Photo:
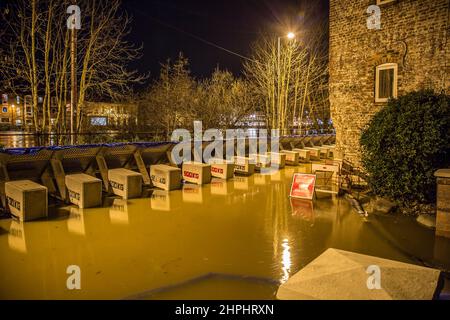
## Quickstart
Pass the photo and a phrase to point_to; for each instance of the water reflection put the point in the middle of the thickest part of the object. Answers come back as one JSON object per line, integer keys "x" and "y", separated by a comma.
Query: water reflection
{"x": 220, "y": 187}
{"x": 160, "y": 200}
{"x": 118, "y": 212}
{"x": 286, "y": 261}
{"x": 235, "y": 227}
{"x": 193, "y": 193}
{"x": 16, "y": 237}
{"x": 75, "y": 222}
{"x": 303, "y": 209}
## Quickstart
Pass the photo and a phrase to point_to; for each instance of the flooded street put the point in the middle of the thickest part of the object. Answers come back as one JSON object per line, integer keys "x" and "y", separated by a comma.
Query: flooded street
{"x": 237, "y": 239}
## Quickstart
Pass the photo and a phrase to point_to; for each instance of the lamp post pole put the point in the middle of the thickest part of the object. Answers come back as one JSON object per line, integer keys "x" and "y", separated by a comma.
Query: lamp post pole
{"x": 278, "y": 77}
{"x": 73, "y": 78}
{"x": 290, "y": 36}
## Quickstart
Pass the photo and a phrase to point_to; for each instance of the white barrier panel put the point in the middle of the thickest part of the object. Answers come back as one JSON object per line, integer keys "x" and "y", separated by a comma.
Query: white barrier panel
{"x": 292, "y": 157}
{"x": 222, "y": 169}
{"x": 84, "y": 190}
{"x": 26, "y": 199}
{"x": 165, "y": 177}
{"x": 243, "y": 165}
{"x": 125, "y": 183}
{"x": 278, "y": 159}
{"x": 197, "y": 173}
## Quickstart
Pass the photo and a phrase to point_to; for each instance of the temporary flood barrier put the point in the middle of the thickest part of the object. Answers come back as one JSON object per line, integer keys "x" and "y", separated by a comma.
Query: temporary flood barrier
{"x": 49, "y": 166}
{"x": 125, "y": 183}
{"x": 197, "y": 173}
{"x": 277, "y": 159}
{"x": 244, "y": 166}
{"x": 165, "y": 177}
{"x": 261, "y": 161}
{"x": 27, "y": 200}
{"x": 84, "y": 190}
{"x": 292, "y": 157}
{"x": 222, "y": 169}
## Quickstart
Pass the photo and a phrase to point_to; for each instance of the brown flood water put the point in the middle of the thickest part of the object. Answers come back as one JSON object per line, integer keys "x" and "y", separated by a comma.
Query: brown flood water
{"x": 228, "y": 240}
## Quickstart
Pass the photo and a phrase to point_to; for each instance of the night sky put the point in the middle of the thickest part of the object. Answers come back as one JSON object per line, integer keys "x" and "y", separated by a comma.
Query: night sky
{"x": 166, "y": 27}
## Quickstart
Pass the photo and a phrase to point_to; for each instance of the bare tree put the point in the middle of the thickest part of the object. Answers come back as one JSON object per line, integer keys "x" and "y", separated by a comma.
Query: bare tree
{"x": 291, "y": 79}
{"x": 36, "y": 56}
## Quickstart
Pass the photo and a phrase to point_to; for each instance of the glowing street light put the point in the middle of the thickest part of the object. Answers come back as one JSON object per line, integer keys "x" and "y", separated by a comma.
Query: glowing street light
{"x": 290, "y": 36}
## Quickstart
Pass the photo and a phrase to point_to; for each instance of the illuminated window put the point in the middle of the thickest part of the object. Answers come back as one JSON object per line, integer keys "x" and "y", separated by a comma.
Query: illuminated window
{"x": 99, "y": 121}
{"x": 4, "y": 98}
{"x": 386, "y": 82}
{"x": 5, "y": 109}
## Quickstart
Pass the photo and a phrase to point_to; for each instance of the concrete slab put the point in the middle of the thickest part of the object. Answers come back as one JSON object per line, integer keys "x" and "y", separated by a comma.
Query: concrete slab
{"x": 344, "y": 275}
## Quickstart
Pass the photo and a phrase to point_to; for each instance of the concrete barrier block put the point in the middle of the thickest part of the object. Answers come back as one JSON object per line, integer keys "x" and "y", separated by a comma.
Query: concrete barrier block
{"x": 244, "y": 166}
{"x": 278, "y": 159}
{"x": 84, "y": 190}
{"x": 196, "y": 172}
{"x": 314, "y": 153}
{"x": 303, "y": 155}
{"x": 292, "y": 157}
{"x": 26, "y": 199}
{"x": 165, "y": 177}
{"x": 125, "y": 183}
{"x": 222, "y": 169}
{"x": 261, "y": 161}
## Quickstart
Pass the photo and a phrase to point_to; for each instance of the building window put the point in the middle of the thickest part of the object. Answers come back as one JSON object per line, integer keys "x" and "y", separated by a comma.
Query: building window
{"x": 5, "y": 109}
{"x": 381, "y": 2}
{"x": 4, "y": 98}
{"x": 5, "y": 120}
{"x": 386, "y": 82}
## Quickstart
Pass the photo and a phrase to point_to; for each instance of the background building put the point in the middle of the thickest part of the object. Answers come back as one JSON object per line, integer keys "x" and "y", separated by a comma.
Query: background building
{"x": 111, "y": 115}
{"x": 367, "y": 66}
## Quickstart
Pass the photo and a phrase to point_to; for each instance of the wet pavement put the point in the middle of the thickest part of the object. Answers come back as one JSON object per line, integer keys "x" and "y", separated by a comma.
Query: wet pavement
{"x": 236, "y": 239}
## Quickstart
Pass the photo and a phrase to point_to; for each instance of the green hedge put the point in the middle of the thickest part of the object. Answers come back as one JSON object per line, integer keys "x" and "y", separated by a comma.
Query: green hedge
{"x": 405, "y": 143}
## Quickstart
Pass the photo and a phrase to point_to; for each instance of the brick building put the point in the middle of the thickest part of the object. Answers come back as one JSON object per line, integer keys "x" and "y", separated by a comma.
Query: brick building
{"x": 368, "y": 65}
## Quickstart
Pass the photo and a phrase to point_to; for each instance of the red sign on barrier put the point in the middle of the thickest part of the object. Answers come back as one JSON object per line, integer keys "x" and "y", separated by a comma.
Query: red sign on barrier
{"x": 303, "y": 186}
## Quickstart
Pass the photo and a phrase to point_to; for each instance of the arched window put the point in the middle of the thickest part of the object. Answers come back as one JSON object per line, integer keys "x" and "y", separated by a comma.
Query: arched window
{"x": 386, "y": 80}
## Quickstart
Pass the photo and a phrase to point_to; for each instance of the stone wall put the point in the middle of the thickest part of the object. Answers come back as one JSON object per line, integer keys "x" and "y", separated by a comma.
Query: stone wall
{"x": 413, "y": 34}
